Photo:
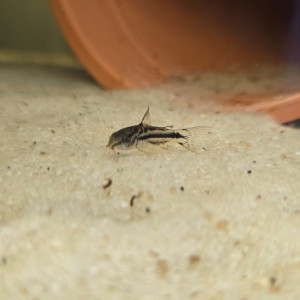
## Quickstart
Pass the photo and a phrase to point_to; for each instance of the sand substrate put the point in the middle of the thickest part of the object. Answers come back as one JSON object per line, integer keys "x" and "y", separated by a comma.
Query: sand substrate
{"x": 80, "y": 222}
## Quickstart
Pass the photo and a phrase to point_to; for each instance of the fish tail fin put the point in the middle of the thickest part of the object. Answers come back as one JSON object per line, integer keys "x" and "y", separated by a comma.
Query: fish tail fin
{"x": 195, "y": 138}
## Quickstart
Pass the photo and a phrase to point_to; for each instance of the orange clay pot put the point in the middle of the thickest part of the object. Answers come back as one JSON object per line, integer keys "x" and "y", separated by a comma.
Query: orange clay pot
{"x": 127, "y": 44}
{"x": 283, "y": 108}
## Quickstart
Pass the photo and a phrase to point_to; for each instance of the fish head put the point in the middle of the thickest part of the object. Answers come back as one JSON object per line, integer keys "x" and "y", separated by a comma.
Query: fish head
{"x": 124, "y": 138}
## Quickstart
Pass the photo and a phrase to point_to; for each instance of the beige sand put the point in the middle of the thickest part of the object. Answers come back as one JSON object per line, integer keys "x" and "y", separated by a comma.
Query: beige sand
{"x": 228, "y": 233}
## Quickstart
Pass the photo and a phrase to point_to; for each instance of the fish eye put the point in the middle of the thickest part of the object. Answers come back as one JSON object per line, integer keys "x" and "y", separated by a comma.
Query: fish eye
{"x": 127, "y": 140}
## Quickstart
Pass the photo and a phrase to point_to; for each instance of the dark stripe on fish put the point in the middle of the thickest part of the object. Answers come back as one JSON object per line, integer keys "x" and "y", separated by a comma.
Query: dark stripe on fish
{"x": 163, "y": 135}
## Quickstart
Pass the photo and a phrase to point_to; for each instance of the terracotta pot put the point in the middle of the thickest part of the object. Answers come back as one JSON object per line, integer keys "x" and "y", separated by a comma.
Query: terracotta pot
{"x": 137, "y": 44}
{"x": 282, "y": 108}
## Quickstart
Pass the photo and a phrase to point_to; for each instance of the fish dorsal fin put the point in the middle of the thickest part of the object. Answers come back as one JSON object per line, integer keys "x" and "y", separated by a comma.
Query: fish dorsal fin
{"x": 146, "y": 121}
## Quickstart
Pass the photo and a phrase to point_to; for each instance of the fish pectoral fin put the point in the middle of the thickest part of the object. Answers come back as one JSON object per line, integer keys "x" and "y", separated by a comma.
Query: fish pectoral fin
{"x": 146, "y": 121}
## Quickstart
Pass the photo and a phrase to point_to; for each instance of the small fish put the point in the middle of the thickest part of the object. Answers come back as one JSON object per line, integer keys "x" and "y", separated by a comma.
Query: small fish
{"x": 144, "y": 137}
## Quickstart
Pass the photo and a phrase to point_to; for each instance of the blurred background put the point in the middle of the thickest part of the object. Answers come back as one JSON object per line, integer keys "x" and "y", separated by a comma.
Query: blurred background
{"x": 29, "y": 26}
{"x": 30, "y": 34}
{"x": 138, "y": 44}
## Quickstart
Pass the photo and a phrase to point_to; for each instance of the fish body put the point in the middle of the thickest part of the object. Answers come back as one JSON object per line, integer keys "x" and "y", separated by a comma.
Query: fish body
{"x": 144, "y": 136}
